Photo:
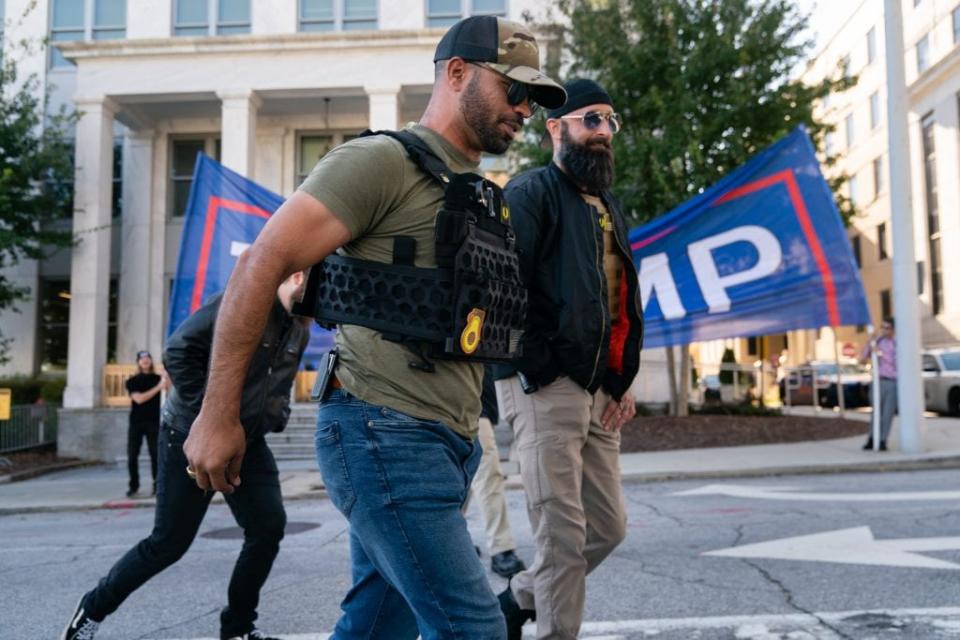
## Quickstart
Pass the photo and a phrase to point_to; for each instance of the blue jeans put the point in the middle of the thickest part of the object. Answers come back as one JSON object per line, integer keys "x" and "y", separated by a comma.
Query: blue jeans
{"x": 400, "y": 481}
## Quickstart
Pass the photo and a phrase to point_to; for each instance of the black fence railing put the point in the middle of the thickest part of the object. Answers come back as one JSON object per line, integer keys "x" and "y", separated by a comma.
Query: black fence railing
{"x": 29, "y": 426}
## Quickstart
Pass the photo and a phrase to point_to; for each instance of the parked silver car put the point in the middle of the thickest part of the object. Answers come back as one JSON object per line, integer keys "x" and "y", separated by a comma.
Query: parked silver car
{"x": 941, "y": 380}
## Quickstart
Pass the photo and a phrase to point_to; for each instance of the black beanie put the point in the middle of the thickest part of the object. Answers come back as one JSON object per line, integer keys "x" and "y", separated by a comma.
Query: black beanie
{"x": 581, "y": 92}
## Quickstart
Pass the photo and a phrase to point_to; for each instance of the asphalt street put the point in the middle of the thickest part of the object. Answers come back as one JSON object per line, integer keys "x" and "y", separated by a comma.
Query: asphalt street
{"x": 823, "y": 556}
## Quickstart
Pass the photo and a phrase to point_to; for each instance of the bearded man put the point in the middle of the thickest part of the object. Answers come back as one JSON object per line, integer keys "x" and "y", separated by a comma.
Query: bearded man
{"x": 568, "y": 395}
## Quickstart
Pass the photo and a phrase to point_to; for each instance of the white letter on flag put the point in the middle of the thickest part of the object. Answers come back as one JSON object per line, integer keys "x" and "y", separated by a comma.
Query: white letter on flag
{"x": 655, "y": 276}
{"x": 712, "y": 284}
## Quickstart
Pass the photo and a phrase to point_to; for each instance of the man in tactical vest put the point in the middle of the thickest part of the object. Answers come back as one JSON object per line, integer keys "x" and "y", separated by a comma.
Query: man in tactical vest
{"x": 569, "y": 393}
{"x": 397, "y": 423}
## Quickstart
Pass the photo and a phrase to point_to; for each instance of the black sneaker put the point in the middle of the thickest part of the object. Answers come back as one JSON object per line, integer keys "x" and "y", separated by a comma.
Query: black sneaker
{"x": 82, "y": 626}
{"x": 506, "y": 564}
{"x": 253, "y": 634}
{"x": 132, "y": 492}
{"x": 513, "y": 614}
{"x": 868, "y": 444}
{"x": 883, "y": 445}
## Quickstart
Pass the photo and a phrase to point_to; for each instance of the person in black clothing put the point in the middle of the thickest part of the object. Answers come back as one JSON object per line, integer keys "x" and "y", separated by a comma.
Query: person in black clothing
{"x": 144, "y": 389}
{"x": 257, "y": 504}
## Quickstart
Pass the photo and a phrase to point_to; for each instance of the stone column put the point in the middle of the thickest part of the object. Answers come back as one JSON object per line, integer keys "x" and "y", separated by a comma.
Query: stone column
{"x": 90, "y": 259}
{"x": 384, "y": 107}
{"x": 238, "y": 125}
{"x": 136, "y": 257}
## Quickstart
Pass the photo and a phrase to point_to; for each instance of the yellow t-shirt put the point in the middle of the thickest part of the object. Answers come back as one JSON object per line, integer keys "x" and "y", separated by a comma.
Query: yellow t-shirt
{"x": 378, "y": 192}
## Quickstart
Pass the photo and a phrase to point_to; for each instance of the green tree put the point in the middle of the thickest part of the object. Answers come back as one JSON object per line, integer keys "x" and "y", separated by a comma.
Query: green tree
{"x": 701, "y": 86}
{"x": 36, "y": 178}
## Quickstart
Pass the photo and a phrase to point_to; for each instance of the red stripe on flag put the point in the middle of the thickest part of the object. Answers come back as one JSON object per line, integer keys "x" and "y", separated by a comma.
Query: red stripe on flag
{"x": 209, "y": 227}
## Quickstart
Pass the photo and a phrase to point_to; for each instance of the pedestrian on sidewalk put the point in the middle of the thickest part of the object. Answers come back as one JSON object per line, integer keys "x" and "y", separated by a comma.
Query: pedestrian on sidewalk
{"x": 396, "y": 427}
{"x": 487, "y": 488}
{"x": 884, "y": 343}
{"x": 144, "y": 388}
{"x": 568, "y": 396}
{"x": 256, "y": 505}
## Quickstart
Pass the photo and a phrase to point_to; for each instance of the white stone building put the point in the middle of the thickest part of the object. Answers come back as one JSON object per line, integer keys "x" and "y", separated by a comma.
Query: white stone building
{"x": 266, "y": 86}
{"x": 932, "y": 58}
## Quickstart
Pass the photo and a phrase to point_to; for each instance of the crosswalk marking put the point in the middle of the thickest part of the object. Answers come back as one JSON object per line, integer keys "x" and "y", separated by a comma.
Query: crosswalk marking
{"x": 749, "y": 626}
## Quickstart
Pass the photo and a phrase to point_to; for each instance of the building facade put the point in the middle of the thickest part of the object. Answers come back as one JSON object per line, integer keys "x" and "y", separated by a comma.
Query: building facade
{"x": 932, "y": 61}
{"x": 265, "y": 86}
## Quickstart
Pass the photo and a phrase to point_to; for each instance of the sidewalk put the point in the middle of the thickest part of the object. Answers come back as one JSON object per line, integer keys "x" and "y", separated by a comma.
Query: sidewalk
{"x": 103, "y": 486}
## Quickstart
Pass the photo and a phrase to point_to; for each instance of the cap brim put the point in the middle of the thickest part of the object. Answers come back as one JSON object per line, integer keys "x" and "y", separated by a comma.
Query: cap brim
{"x": 544, "y": 91}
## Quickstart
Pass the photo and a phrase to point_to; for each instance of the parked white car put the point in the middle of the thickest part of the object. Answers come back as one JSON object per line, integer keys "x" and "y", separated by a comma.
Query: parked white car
{"x": 941, "y": 380}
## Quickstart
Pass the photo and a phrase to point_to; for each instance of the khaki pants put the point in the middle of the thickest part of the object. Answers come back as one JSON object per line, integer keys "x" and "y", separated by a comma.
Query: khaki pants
{"x": 487, "y": 488}
{"x": 571, "y": 474}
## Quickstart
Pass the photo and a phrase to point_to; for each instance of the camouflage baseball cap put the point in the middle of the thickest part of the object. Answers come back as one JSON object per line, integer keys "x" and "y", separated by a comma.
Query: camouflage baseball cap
{"x": 505, "y": 46}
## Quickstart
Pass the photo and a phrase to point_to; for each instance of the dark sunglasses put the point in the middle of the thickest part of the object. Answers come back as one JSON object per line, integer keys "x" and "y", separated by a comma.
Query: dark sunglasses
{"x": 593, "y": 119}
{"x": 517, "y": 92}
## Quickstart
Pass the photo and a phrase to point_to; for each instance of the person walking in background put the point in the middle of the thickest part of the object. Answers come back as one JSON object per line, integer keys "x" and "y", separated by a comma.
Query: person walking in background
{"x": 884, "y": 343}
{"x": 257, "y": 506}
{"x": 487, "y": 488}
{"x": 144, "y": 388}
{"x": 569, "y": 393}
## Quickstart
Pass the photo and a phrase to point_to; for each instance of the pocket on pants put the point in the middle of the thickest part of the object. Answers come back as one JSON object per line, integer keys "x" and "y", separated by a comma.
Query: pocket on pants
{"x": 333, "y": 466}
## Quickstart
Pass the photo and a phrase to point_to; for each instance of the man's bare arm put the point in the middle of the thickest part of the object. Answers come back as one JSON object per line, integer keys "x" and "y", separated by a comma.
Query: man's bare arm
{"x": 301, "y": 233}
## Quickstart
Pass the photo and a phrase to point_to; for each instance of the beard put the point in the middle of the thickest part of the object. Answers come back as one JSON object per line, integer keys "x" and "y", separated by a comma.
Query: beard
{"x": 590, "y": 164}
{"x": 481, "y": 116}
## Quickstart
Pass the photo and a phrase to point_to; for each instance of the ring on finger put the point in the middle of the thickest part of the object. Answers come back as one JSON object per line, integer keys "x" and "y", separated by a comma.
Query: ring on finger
{"x": 191, "y": 472}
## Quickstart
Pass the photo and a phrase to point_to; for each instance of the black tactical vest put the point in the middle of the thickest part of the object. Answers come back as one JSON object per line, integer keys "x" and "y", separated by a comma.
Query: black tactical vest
{"x": 470, "y": 307}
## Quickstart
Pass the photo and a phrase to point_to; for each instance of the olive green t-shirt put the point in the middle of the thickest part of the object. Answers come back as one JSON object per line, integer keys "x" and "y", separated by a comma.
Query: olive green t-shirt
{"x": 377, "y": 191}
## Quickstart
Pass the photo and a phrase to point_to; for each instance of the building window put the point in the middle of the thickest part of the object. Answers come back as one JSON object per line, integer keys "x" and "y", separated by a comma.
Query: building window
{"x": 211, "y": 17}
{"x": 183, "y": 157}
{"x": 882, "y": 241}
{"x": 923, "y": 54}
{"x": 848, "y": 125}
{"x": 871, "y": 45}
{"x": 853, "y": 185}
{"x": 92, "y": 20}
{"x": 313, "y": 146}
{"x": 310, "y": 148}
{"x": 956, "y": 26}
{"x": 830, "y": 143}
{"x": 877, "y": 176}
{"x": 752, "y": 346}
{"x": 331, "y": 15}
{"x": 855, "y": 245}
{"x": 874, "y": 110}
{"x": 933, "y": 212}
{"x": 53, "y": 324}
{"x": 443, "y": 13}
{"x": 845, "y": 66}
{"x": 886, "y": 310}
{"x": 116, "y": 199}
{"x": 921, "y": 277}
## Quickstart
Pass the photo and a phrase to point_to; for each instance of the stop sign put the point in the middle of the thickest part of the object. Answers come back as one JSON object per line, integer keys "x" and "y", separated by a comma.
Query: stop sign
{"x": 849, "y": 349}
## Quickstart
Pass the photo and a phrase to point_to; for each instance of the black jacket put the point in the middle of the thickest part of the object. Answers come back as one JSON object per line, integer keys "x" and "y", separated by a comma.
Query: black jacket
{"x": 265, "y": 405}
{"x": 560, "y": 245}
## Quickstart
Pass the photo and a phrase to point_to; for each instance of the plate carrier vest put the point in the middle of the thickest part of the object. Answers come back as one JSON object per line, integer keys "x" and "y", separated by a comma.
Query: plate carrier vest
{"x": 471, "y": 307}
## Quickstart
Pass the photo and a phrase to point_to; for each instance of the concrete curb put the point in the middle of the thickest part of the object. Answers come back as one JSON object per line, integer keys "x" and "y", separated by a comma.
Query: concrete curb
{"x": 27, "y": 474}
{"x": 514, "y": 481}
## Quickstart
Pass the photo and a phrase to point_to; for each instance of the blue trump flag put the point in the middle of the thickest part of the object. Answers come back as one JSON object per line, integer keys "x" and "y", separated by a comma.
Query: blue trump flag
{"x": 763, "y": 251}
{"x": 225, "y": 213}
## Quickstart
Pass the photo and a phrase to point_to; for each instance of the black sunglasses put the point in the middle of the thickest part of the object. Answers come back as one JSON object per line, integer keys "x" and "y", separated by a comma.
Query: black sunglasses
{"x": 517, "y": 92}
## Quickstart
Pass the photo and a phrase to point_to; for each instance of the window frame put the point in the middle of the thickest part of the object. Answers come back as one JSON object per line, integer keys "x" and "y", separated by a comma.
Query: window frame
{"x": 882, "y": 241}
{"x": 849, "y": 130}
{"x": 211, "y": 147}
{"x": 874, "y": 110}
{"x": 871, "y": 45}
{"x": 879, "y": 183}
{"x": 338, "y": 20}
{"x": 466, "y": 10}
{"x": 212, "y": 25}
{"x": 88, "y": 29}
{"x": 337, "y": 137}
{"x": 923, "y": 62}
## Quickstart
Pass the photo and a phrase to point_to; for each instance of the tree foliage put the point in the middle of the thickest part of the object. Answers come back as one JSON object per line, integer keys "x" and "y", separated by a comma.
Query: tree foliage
{"x": 36, "y": 178}
{"x": 701, "y": 86}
